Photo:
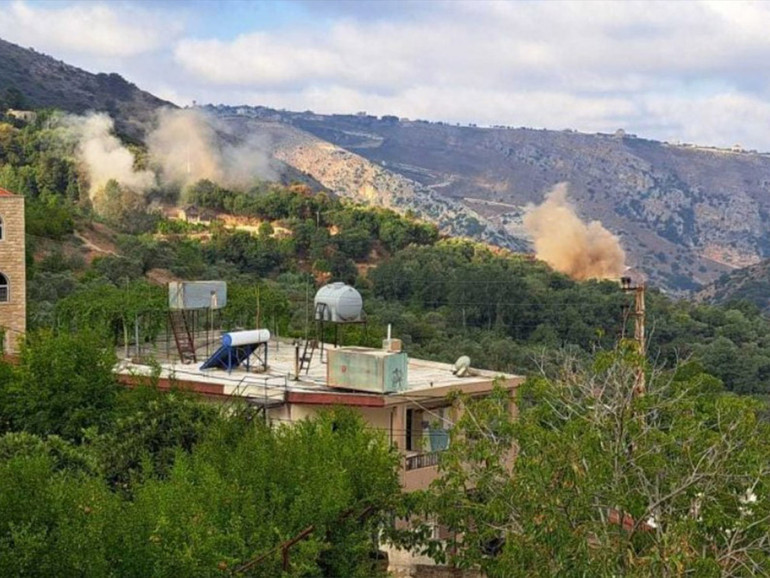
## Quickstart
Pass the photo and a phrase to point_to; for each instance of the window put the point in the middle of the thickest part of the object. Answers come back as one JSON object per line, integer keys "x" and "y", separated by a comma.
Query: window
{"x": 3, "y": 288}
{"x": 1, "y": 228}
{"x": 409, "y": 429}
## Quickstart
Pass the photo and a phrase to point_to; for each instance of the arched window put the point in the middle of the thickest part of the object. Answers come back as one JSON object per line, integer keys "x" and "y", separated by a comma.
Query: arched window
{"x": 1, "y": 228}
{"x": 3, "y": 288}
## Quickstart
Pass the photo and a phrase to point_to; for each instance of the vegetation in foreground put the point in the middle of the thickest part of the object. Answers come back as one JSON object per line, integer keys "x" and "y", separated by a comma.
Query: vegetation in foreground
{"x": 97, "y": 480}
{"x": 606, "y": 482}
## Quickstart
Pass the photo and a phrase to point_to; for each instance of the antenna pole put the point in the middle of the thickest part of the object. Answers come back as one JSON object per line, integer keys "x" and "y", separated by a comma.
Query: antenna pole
{"x": 639, "y": 319}
{"x": 258, "y": 308}
{"x": 307, "y": 308}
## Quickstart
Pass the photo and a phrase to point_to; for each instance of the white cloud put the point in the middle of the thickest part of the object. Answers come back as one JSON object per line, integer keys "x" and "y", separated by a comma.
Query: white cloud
{"x": 690, "y": 71}
{"x": 550, "y": 41}
{"x": 722, "y": 119}
{"x": 589, "y": 66}
{"x": 98, "y": 29}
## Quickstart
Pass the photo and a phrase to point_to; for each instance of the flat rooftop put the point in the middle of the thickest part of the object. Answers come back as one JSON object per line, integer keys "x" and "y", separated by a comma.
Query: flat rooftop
{"x": 425, "y": 379}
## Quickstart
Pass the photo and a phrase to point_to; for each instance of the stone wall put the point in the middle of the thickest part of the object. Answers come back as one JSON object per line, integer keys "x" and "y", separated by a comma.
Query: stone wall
{"x": 13, "y": 313}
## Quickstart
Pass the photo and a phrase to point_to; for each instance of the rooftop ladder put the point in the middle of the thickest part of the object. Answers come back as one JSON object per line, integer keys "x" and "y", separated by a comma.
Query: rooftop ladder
{"x": 307, "y": 355}
{"x": 182, "y": 336}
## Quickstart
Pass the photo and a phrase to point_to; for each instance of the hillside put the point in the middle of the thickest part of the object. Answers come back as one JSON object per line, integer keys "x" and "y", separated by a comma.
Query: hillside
{"x": 749, "y": 283}
{"x": 685, "y": 214}
{"x": 46, "y": 82}
{"x": 352, "y": 176}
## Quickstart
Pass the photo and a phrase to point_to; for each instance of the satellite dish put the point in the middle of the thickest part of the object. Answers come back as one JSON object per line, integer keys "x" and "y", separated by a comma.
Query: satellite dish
{"x": 461, "y": 367}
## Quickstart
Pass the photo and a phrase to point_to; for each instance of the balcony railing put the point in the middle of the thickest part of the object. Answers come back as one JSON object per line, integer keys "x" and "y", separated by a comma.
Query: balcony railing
{"x": 425, "y": 460}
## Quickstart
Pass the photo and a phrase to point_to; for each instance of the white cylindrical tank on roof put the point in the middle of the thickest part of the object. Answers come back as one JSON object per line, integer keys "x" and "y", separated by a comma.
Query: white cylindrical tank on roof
{"x": 246, "y": 337}
{"x": 339, "y": 303}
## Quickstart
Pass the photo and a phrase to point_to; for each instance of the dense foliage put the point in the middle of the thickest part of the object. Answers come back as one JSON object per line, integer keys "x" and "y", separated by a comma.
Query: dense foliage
{"x": 606, "y": 482}
{"x": 444, "y": 298}
{"x": 97, "y": 480}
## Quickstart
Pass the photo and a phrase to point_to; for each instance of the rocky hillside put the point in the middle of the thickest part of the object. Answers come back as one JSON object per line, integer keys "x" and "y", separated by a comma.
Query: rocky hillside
{"x": 749, "y": 283}
{"x": 42, "y": 81}
{"x": 685, "y": 214}
{"x": 352, "y": 176}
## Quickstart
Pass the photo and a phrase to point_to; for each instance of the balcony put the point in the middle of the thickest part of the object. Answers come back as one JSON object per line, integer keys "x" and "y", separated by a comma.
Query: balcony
{"x": 424, "y": 460}
{"x": 419, "y": 470}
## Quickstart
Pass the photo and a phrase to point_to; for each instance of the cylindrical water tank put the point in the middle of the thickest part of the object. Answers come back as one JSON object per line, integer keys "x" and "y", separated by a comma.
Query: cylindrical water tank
{"x": 245, "y": 337}
{"x": 341, "y": 303}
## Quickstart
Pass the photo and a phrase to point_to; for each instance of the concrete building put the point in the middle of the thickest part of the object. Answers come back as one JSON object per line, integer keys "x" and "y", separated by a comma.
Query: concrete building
{"x": 13, "y": 288}
{"x": 405, "y": 398}
{"x": 193, "y": 214}
{"x": 25, "y": 115}
{"x": 414, "y": 415}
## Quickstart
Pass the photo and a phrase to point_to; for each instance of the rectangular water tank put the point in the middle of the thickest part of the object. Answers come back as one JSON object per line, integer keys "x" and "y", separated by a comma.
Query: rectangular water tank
{"x": 197, "y": 294}
{"x": 369, "y": 370}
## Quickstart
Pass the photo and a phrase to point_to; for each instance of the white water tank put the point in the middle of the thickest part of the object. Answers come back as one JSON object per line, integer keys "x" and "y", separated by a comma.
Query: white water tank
{"x": 339, "y": 303}
{"x": 235, "y": 338}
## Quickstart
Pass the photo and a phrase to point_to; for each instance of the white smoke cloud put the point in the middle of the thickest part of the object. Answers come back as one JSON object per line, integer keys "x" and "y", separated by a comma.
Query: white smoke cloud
{"x": 185, "y": 146}
{"x": 102, "y": 153}
{"x": 189, "y": 145}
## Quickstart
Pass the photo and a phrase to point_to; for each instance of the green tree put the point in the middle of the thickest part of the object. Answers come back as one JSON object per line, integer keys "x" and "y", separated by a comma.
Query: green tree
{"x": 64, "y": 385}
{"x": 150, "y": 428}
{"x": 54, "y": 514}
{"x": 605, "y": 482}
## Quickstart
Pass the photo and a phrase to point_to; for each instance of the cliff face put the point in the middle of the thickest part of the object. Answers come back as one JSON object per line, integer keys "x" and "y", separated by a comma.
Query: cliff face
{"x": 352, "y": 176}
{"x": 45, "y": 82}
{"x": 685, "y": 214}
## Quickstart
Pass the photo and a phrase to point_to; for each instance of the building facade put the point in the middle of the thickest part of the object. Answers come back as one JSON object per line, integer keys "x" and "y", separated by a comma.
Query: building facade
{"x": 414, "y": 411}
{"x": 13, "y": 286}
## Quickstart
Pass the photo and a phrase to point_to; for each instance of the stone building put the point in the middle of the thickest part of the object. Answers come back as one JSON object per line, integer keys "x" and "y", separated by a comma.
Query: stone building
{"x": 13, "y": 286}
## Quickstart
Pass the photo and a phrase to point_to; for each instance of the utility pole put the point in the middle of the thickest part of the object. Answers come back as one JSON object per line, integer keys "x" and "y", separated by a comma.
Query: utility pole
{"x": 627, "y": 286}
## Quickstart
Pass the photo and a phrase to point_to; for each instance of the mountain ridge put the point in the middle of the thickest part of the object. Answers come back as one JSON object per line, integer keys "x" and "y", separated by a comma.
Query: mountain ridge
{"x": 686, "y": 214}
{"x": 45, "y": 82}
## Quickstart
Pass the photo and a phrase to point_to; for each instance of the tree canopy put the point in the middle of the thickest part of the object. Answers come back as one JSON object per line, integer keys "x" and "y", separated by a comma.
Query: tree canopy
{"x": 593, "y": 479}
{"x": 98, "y": 480}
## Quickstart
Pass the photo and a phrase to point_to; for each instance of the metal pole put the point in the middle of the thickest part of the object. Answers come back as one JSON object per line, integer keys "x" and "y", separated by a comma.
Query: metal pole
{"x": 639, "y": 333}
{"x": 136, "y": 334}
{"x": 641, "y": 384}
{"x": 296, "y": 361}
{"x": 307, "y": 308}
{"x": 639, "y": 319}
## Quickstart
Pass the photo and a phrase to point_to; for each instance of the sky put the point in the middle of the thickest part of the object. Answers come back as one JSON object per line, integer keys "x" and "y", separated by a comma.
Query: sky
{"x": 696, "y": 72}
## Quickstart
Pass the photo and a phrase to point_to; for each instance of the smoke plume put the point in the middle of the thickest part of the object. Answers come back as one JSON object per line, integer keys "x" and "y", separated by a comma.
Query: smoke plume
{"x": 102, "y": 154}
{"x": 582, "y": 251}
{"x": 189, "y": 145}
{"x": 186, "y": 146}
